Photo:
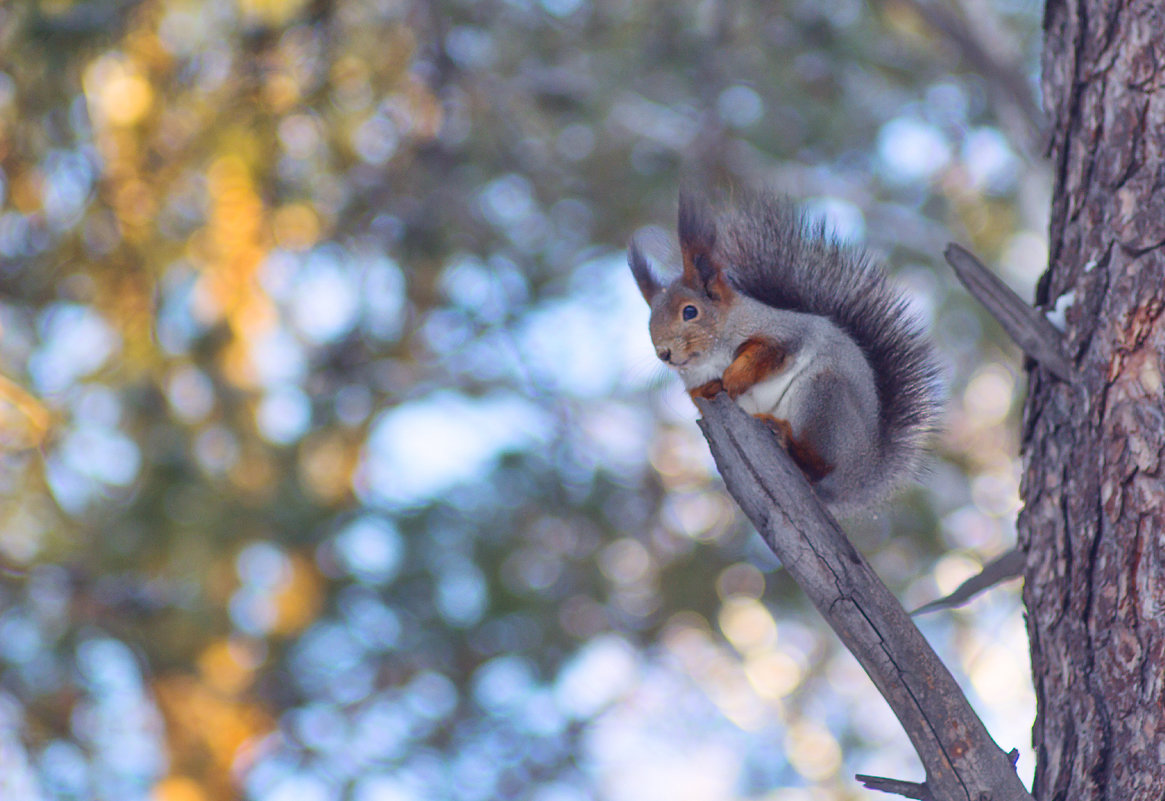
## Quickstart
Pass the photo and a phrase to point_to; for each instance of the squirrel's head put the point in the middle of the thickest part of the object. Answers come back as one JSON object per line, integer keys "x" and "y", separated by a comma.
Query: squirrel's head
{"x": 687, "y": 315}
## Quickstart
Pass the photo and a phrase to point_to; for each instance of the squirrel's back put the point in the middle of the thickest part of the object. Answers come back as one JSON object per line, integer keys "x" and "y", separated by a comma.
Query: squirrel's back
{"x": 774, "y": 254}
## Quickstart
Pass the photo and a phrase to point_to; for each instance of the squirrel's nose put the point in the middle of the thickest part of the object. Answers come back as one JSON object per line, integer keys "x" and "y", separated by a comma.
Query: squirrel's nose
{"x": 663, "y": 353}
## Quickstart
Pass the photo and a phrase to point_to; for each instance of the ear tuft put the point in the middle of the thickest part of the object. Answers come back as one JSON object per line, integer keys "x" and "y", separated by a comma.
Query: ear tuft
{"x": 705, "y": 271}
{"x": 696, "y": 226}
{"x": 697, "y": 230}
{"x": 649, "y": 286}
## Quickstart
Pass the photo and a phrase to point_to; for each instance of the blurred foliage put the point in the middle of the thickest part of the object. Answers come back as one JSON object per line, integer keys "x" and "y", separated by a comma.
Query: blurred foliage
{"x": 335, "y": 460}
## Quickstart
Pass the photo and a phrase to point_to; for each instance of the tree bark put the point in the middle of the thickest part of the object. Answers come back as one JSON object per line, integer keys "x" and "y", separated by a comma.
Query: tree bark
{"x": 1093, "y": 526}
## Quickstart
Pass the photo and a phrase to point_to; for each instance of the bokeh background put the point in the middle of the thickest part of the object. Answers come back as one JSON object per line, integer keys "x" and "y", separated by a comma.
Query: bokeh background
{"x": 335, "y": 462}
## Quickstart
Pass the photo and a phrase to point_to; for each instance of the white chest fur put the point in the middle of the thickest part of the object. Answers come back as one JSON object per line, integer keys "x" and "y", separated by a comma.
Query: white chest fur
{"x": 772, "y": 395}
{"x": 705, "y": 370}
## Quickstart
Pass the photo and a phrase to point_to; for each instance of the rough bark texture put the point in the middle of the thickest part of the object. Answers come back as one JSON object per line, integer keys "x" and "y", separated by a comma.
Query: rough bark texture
{"x": 1094, "y": 522}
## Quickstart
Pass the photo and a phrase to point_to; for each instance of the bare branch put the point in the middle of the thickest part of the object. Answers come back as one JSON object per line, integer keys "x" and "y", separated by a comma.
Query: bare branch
{"x": 962, "y": 762}
{"x": 1009, "y": 565}
{"x": 1030, "y": 329}
{"x": 896, "y": 786}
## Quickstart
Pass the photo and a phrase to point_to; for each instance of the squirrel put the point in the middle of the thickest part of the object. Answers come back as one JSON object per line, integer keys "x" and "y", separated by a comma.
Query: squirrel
{"x": 802, "y": 332}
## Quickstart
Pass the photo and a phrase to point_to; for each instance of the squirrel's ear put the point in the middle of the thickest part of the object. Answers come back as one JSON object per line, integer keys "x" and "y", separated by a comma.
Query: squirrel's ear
{"x": 697, "y": 230}
{"x": 648, "y": 285}
{"x": 696, "y": 226}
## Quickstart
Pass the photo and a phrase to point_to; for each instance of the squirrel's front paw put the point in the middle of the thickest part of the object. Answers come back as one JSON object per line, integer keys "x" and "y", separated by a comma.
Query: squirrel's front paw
{"x": 707, "y": 391}
{"x": 779, "y": 427}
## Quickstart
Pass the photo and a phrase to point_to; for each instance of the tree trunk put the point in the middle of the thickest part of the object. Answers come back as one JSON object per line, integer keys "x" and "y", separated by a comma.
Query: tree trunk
{"x": 1094, "y": 522}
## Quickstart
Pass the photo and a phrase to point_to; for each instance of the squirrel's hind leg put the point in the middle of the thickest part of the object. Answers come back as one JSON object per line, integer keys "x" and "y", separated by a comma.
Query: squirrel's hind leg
{"x": 831, "y": 421}
{"x": 802, "y": 452}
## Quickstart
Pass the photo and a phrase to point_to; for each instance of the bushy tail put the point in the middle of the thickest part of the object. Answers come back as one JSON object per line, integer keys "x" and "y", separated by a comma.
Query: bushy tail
{"x": 777, "y": 256}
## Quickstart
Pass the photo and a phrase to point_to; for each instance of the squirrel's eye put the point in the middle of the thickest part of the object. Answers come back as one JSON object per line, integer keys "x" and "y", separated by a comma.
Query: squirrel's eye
{"x": 690, "y": 312}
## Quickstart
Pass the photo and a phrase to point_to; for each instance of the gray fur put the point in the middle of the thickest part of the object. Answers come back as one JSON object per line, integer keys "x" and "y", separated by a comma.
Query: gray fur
{"x": 772, "y": 253}
{"x": 826, "y": 392}
{"x": 860, "y": 385}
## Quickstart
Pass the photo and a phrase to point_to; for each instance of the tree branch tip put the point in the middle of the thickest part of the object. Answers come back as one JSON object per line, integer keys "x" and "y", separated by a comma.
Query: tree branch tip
{"x": 1010, "y": 564}
{"x": 703, "y": 404}
{"x": 919, "y": 792}
{"x": 953, "y": 250}
{"x": 963, "y": 261}
{"x": 1027, "y": 327}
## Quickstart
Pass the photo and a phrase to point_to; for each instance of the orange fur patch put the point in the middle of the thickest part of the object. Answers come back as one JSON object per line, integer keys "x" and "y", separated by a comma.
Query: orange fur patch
{"x": 812, "y": 464}
{"x": 781, "y": 428}
{"x": 755, "y": 360}
{"x": 707, "y": 391}
{"x": 715, "y": 287}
